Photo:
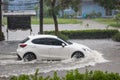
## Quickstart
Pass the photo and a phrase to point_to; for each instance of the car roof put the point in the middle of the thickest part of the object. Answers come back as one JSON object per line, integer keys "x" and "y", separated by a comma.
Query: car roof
{"x": 42, "y": 36}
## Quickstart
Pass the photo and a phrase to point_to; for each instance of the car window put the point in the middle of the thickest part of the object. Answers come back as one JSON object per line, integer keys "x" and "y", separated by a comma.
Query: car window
{"x": 55, "y": 42}
{"x": 38, "y": 41}
{"x": 25, "y": 40}
{"x": 47, "y": 41}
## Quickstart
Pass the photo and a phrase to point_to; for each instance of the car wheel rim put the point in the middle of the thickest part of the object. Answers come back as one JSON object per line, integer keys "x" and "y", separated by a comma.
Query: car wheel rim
{"x": 78, "y": 55}
{"x": 29, "y": 57}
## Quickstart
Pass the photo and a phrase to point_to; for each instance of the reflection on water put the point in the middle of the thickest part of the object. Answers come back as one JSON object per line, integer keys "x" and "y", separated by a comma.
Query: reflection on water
{"x": 15, "y": 67}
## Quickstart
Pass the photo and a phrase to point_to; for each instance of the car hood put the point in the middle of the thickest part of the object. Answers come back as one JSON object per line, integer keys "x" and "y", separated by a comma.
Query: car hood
{"x": 80, "y": 46}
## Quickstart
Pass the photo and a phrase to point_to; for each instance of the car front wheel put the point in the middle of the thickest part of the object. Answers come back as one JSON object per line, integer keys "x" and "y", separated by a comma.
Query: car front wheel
{"x": 78, "y": 55}
{"x": 29, "y": 57}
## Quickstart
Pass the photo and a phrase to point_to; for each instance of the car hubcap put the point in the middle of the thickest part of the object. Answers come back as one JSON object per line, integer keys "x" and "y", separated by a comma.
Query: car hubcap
{"x": 78, "y": 55}
{"x": 29, "y": 57}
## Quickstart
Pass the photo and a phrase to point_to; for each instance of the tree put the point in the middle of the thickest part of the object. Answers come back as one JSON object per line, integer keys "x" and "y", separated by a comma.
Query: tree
{"x": 0, "y": 18}
{"x": 109, "y": 4}
{"x": 56, "y": 5}
{"x": 41, "y": 16}
{"x": 53, "y": 2}
{"x": 53, "y": 10}
{"x": 1, "y": 34}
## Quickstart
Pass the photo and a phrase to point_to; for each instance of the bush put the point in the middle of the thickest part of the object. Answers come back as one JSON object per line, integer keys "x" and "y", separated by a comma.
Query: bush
{"x": 93, "y": 14}
{"x": 62, "y": 36}
{"x": 87, "y": 34}
{"x": 72, "y": 75}
{"x": 116, "y": 37}
{"x": 2, "y": 37}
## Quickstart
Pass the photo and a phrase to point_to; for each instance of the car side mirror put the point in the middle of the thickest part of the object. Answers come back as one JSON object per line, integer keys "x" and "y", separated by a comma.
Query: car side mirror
{"x": 63, "y": 44}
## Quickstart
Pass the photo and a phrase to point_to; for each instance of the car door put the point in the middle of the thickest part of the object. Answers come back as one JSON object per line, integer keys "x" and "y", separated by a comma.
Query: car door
{"x": 56, "y": 50}
{"x": 41, "y": 47}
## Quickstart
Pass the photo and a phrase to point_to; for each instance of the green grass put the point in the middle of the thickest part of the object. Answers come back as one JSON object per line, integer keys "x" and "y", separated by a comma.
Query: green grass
{"x": 35, "y": 20}
{"x": 107, "y": 21}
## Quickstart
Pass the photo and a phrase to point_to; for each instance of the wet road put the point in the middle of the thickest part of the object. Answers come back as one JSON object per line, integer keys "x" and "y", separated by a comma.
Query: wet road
{"x": 106, "y": 58}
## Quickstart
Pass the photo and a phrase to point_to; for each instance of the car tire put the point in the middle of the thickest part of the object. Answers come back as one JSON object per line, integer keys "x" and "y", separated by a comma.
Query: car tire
{"x": 29, "y": 57}
{"x": 78, "y": 55}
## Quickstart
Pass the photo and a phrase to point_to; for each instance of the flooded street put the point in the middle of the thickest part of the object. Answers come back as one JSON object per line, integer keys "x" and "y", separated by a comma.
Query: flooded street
{"x": 107, "y": 52}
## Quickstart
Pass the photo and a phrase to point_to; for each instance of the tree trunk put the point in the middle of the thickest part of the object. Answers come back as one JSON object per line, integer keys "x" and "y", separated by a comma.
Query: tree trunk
{"x": 54, "y": 16}
{"x": 0, "y": 18}
{"x": 41, "y": 17}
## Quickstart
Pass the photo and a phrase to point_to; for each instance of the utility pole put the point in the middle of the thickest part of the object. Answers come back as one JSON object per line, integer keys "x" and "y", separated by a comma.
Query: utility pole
{"x": 41, "y": 17}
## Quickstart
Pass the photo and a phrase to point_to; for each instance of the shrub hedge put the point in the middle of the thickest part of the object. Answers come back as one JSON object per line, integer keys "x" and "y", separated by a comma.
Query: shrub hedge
{"x": 2, "y": 37}
{"x": 87, "y": 34}
{"x": 72, "y": 75}
{"x": 116, "y": 37}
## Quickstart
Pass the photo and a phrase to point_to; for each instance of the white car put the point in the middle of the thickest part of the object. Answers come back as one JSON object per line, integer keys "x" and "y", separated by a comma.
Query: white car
{"x": 49, "y": 47}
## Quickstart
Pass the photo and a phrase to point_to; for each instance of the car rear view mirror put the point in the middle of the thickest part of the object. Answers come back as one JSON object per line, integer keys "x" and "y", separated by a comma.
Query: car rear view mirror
{"x": 63, "y": 44}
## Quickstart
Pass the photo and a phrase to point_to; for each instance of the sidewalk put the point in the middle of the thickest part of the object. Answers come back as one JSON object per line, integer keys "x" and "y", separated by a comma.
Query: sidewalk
{"x": 87, "y": 24}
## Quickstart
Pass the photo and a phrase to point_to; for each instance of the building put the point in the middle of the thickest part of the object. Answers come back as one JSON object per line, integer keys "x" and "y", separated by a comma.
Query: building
{"x": 89, "y": 7}
{"x": 20, "y": 5}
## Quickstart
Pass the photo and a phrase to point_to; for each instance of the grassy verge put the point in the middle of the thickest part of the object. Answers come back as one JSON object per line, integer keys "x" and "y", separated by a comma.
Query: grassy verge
{"x": 71, "y": 75}
{"x": 35, "y": 20}
{"x": 107, "y": 21}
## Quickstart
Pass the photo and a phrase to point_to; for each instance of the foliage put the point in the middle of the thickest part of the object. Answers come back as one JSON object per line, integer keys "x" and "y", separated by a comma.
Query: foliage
{"x": 2, "y": 36}
{"x": 87, "y": 34}
{"x": 93, "y": 14}
{"x": 54, "y": 7}
{"x": 109, "y": 4}
{"x": 62, "y": 36}
{"x": 61, "y": 5}
{"x": 72, "y": 75}
{"x": 117, "y": 19}
{"x": 116, "y": 37}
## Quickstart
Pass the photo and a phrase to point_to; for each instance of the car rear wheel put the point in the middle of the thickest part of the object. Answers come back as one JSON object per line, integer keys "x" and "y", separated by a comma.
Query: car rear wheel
{"x": 29, "y": 57}
{"x": 78, "y": 55}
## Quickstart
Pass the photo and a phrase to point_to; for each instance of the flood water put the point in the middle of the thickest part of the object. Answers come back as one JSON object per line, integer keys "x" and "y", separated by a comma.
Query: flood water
{"x": 105, "y": 57}
{"x": 9, "y": 65}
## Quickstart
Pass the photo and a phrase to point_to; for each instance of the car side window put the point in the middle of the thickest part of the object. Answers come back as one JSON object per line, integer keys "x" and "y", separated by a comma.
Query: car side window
{"x": 47, "y": 41}
{"x": 38, "y": 41}
{"x": 54, "y": 42}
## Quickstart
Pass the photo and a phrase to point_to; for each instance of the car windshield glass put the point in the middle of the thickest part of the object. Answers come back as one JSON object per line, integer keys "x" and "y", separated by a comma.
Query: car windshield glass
{"x": 23, "y": 41}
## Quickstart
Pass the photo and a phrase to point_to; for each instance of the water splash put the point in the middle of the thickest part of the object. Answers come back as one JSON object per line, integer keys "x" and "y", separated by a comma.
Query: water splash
{"x": 46, "y": 66}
